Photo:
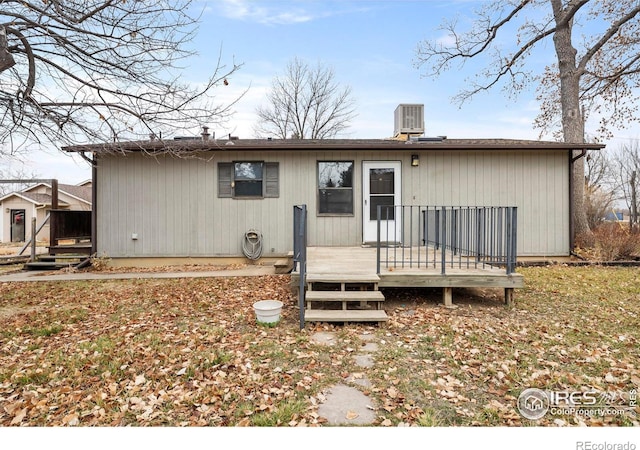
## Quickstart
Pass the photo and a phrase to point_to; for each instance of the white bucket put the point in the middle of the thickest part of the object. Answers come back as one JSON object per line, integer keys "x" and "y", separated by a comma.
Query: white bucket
{"x": 268, "y": 311}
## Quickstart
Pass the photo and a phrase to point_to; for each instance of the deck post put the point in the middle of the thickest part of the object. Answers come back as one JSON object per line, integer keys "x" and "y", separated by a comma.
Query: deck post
{"x": 508, "y": 296}
{"x": 300, "y": 255}
{"x": 33, "y": 239}
{"x": 379, "y": 211}
{"x": 447, "y": 296}
{"x": 443, "y": 259}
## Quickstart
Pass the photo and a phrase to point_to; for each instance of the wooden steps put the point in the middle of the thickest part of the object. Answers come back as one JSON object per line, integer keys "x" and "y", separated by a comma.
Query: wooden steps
{"x": 44, "y": 265}
{"x": 344, "y": 296}
{"x": 336, "y": 315}
{"x": 284, "y": 265}
{"x": 81, "y": 248}
{"x": 55, "y": 262}
{"x": 340, "y": 297}
{"x": 341, "y": 278}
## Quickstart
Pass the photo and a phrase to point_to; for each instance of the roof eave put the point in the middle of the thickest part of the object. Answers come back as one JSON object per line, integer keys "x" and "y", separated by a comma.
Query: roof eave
{"x": 266, "y": 145}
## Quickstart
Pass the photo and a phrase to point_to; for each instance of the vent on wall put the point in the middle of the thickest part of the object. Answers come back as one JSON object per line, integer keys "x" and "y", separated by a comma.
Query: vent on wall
{"x": 409, "y": 119}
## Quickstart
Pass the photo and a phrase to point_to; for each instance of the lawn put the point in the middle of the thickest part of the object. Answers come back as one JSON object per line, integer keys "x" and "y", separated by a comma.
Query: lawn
{"x": 188, "y": 352}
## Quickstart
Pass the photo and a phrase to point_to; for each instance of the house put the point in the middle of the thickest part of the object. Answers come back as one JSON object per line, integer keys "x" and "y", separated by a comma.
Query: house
{"x": 408, "y": 211}
{"x": 18, "y": 208}
{"x": 155, "y": 207}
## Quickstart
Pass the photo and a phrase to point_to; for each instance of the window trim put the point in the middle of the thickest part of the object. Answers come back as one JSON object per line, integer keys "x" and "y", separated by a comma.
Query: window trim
{"x": 352, "y": 188}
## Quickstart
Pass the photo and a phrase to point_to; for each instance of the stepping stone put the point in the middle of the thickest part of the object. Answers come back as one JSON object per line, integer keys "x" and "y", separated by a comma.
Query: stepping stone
{"x": 364, "y": 360}
{"x": 323, "y": 337}
{"x": 369, "y": 347}
{"x": 346, "y": 405}
{"x": 360, "y": 379}
{"x": 367, "y": 336}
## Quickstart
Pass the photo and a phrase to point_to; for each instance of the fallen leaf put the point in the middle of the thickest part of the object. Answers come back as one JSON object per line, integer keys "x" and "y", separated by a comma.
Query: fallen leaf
{"x": 244, "y": 422}
{"x": 19, "y": 416}
{"x": 352, "y": 415}
{"x": 609, "y": 378}
{"x": 71, "y": 419}
{"x": 392, "y": 392}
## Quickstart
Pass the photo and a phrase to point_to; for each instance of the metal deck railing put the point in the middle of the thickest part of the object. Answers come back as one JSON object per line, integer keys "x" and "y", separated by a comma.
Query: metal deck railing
{"x": 300, "y": 254}
{"x": 447, "y": 237}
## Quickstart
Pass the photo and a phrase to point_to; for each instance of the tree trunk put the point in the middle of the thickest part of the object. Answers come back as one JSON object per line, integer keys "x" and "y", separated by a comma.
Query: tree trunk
{"x": 6, "y": 59}
{"x": 572, "y": 119}
{"x": 633, "y": 213}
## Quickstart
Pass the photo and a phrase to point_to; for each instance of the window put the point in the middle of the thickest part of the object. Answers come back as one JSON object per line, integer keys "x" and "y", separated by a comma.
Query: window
{"x": 248, "y": 179}
{"x": 335, "y": 187}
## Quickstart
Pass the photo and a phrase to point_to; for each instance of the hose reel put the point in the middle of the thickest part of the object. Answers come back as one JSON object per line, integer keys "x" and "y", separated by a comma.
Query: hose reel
{"x": 252, "y": 244}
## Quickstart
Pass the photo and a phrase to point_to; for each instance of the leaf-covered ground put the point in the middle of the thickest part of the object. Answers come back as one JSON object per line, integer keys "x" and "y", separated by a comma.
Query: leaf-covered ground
{"x": 188, "y": 352}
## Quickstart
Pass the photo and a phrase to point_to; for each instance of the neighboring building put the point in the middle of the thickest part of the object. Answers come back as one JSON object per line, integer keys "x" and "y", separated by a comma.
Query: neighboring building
{"x": 18, "y": 208}
{"x": 151, "y": 204}
{"x": 617, "y": 216}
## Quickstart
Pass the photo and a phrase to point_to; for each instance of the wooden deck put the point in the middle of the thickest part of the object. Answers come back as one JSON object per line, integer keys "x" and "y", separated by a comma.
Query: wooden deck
{"x": 354, "y": 269}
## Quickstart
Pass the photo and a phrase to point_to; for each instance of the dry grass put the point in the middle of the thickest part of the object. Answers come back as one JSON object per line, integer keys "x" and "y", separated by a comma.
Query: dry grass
{"x": 187, "y": 352}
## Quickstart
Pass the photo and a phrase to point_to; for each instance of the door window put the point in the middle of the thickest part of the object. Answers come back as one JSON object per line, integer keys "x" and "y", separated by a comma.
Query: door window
{"x": 381, "y": 191}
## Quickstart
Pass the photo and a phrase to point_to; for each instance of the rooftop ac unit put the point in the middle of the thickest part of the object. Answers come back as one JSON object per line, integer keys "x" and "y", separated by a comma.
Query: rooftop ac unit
{"x": 409, "y": 119}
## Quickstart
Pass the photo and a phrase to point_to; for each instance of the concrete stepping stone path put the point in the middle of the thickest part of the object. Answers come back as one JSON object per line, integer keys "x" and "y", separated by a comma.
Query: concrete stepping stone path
{"x": 347, "y": 405}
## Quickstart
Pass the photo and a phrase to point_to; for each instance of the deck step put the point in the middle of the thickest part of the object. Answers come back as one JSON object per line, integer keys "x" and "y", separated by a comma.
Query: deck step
{"x": 64, "y": 258}
{"x": 344, "y": 296}
{"x": 342, "y": 278}
{"x": 45, "y": 265}
{"x": 283, "y": 266}
{"x": 337, "y": 315}
{"x": 80, "y": 248}
{"x": 51, "y": 262}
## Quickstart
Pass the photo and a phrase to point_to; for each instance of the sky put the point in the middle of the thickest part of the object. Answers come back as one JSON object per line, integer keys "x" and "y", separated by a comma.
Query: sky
{"x": 371, "y": 47}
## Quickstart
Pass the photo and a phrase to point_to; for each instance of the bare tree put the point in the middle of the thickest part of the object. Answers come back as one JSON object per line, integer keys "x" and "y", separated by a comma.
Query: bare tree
{"x": 14, "y": 172}
{"x": 597, "y": 77}
{"x": 600, "y": 192}
{"x": 306, "y": 103}
{"x": 77, "y": 71}
{"x": 627, "y": 175}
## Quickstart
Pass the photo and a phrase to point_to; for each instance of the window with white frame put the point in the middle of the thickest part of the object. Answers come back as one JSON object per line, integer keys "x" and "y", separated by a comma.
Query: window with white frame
{"x": 335, "y": 187}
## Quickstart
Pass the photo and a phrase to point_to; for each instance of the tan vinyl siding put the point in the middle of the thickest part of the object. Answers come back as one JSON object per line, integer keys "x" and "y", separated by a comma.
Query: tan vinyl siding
{"x": 536, "y": 182}
{"x": 173, "y": 204}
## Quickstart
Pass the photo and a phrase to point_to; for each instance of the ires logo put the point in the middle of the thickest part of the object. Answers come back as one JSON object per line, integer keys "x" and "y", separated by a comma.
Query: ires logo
{"x": 535, "y": 403}
{"x": 571, "y": 399}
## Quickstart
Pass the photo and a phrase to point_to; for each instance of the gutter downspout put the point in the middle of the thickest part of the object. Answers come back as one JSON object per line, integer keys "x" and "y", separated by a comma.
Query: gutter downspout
{"x": 572, "y": 231}
{"x": 94, "y": 201}
{"x": 94, "y": 207}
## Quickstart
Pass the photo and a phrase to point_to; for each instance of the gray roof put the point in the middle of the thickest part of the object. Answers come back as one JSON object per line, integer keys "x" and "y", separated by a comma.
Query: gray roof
{"x": 40, "y": 199}
{"x": 198, "y": 144}
{"x": 81, "y": 192}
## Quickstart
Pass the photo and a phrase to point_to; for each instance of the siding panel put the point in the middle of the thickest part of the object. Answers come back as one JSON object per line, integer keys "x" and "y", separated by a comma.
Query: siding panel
{"x": 174, "y": 207}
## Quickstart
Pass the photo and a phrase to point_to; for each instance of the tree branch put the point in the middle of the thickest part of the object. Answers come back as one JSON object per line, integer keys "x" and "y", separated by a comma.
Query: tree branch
{"x": 113, "y": 59}
{"x": 607, "y": 36}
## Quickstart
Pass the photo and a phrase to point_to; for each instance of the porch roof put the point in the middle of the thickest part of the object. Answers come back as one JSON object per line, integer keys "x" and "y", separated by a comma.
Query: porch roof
{"x": 187, "y": 145}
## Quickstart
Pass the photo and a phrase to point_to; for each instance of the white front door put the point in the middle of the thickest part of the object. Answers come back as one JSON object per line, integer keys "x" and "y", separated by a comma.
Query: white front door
{"x": 381, "y": 181}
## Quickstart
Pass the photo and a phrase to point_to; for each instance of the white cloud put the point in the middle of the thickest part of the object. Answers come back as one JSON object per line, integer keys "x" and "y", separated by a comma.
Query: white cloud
{"x": 246, "y": 10}
{"x": 446, "y": 40}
